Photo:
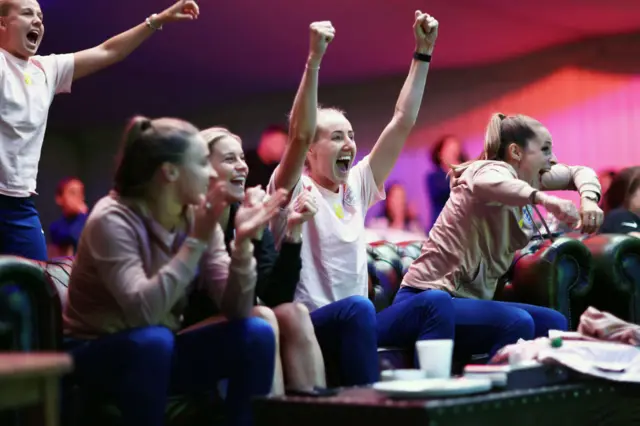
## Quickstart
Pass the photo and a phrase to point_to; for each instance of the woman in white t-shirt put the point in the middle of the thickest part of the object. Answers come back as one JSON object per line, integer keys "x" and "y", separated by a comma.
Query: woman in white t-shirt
{"x": 334, "y": 279}
{"x": 28, "y": 84}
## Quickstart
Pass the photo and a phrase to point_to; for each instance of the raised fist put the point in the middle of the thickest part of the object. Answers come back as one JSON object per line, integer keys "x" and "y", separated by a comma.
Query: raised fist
{"x": 425, "y": 29}
{"x": 321, "y": 34}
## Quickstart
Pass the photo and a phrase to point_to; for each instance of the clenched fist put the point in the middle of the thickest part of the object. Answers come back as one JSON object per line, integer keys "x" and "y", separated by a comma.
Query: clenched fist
{"x": 321, "y": 34}
{"x": 425, "y": 29}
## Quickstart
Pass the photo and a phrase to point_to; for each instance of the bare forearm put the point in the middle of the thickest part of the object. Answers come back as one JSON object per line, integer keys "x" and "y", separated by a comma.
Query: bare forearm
{"x": 125, "y": 43}
{"x": 387, "y": 149}
{"x": 410, "y": 99}
{"x": 110, "y": 52}
{"x": 305, "y": 105}
{"x": 301, "y": 129}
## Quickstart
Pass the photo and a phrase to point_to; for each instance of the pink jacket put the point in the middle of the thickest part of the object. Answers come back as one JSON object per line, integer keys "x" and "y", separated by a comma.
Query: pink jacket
{"x": 474, "y": 240}
{"x": 130, "y": 272}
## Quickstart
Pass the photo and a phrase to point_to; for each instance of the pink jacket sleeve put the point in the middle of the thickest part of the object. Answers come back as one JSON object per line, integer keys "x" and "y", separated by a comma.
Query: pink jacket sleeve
{"x": 576, "y": 178}
{"x": 231, "y": 281}
{"x": 116, "y": 250}
{"x": 496, "y": 182}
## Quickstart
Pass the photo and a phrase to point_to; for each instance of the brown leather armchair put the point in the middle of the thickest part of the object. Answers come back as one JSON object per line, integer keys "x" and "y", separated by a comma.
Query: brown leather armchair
{"x": 616, "y": 275}
{"x": 556, "y": 275}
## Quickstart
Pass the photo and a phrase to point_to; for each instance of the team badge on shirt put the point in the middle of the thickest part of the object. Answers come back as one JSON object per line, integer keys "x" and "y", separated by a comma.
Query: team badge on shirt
{"x": 349, "y": 198}
{"x": 337, "y": 208}
{"x": 27, "y": 79}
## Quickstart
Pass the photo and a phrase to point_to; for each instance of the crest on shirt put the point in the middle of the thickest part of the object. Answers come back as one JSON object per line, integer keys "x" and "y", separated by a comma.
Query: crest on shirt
{"x": 349, "y": 197}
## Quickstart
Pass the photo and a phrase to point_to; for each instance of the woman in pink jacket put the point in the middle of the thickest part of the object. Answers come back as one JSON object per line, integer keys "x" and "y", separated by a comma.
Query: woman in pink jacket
{"x": 474, "y": 240}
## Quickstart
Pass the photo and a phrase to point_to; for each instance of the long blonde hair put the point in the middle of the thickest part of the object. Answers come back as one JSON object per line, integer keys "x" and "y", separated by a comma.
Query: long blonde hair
{"x": 502, "y": 131}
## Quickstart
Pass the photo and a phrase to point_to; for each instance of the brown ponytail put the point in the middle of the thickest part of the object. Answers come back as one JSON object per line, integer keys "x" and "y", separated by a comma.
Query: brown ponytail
{"x": 502, "y": 131}
{"x": 492, "y": 137}
{"x": 147, "y": 144}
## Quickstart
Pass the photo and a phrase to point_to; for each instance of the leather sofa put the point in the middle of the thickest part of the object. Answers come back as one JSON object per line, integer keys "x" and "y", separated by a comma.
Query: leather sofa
{"x": 560, "y": 275}
{"x": 568, "y": 274}
{"x": 552, "y": 274}
{"x": 616, "y": 275}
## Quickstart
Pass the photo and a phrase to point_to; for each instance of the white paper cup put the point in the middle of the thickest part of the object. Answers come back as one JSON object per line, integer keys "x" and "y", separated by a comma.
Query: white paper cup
{"x": 435, "y": 357}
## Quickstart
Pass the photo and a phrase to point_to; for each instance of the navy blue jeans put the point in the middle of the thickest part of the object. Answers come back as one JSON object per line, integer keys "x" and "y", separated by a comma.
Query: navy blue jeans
{"x": 479, "y": 326}
{"x": 21, "y": 232}
{"x": 138, "y": 368}
{"x": 426, "y": 315}
{"x": 346, "y": 333}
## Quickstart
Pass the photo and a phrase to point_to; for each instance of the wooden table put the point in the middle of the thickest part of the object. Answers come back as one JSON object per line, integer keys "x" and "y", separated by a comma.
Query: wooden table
{"x": 584, "y": 404}
{"x": 28, "y": 379}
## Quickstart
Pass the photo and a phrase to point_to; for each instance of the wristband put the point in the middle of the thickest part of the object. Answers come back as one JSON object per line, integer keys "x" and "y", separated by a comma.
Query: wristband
{"x": 421, "y": 57}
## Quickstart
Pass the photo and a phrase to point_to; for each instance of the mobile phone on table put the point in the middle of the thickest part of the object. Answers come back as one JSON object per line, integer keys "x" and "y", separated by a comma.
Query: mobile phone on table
{"x": 314, "y": 393}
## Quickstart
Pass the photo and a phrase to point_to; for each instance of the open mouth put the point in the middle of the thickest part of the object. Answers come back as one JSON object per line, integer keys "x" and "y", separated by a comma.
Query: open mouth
{"x": 238, "y": 181}
{"x": 344, "y": 163}
{"x": 33, "y": 36}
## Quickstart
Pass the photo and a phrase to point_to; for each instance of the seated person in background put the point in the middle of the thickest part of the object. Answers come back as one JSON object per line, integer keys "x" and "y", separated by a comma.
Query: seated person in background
{"x": 400, "y": 219}
{"x": 138, "y": 256}
{"x": 446, "y": 152}
{"x": 297, "y": 349}
{"x": 64, "y": 233}
{"x": 264, "y": 160}
{"x": 473, "y": 242}
{"x": 622, "y": 204}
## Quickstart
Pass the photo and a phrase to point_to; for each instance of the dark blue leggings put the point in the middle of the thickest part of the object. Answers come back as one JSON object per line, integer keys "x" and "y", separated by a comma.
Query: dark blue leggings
{"x": 346, "y": 333}
{"x": 21, "y": 232}
{"x": 479, "y": 326}
{"x": 426, "y": 316}
{"x": 138, "y": 368}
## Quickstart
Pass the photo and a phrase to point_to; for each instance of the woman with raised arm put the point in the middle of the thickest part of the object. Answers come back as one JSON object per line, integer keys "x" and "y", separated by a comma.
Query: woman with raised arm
{"x": 29, "y": 83}
{"x": 334, "y": 274}
{"x": 474, "y": 240}
{"x": 298, "y": 356}
{"x": 138, "y": 255}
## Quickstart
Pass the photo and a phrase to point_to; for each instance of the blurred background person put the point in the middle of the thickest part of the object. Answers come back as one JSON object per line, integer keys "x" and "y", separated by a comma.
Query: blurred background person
{"x": 399, "y": 220}
{"x": 64, "y": 233}
{"x": 622, "y": 204}
{"x": 445, "y": 152}
{"x": 263, "y": 161}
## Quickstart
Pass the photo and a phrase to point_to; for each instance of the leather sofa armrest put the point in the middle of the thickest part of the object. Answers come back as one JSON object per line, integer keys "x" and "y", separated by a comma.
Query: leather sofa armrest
{"x": 554, "y": 274}
{"x": 616, "y": 264}
{"x": 385, "y": 273}
{"x": 43, "y": 298}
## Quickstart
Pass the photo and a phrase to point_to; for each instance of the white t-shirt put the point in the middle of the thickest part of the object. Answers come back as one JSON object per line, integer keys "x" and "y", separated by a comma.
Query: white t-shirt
{"x": 26, "y": 92}
{"x": 334, "y": 253}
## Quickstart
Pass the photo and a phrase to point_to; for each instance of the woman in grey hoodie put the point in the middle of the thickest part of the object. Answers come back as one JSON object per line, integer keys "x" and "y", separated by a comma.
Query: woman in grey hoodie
{"x": 474, "y": 240}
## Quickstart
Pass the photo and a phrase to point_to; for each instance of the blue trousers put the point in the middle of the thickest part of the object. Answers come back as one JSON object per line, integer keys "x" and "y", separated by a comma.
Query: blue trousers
{"x": 21, "y": 232}
{"x": 346, "y": 333}
{"x": 138, "y": 368}
{"x": 425, "y": 316}
{"x": 478, "y": 326}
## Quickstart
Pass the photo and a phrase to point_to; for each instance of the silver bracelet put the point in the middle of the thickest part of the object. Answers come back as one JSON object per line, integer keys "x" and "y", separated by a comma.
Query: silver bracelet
{"x": 151, "y": 23}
